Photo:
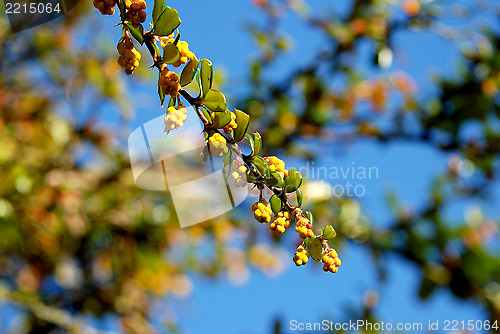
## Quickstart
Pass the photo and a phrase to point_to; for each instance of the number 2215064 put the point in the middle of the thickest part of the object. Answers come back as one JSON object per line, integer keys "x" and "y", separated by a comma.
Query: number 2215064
{"x": 454, "y": 325}
{"x": 32, "y": 8}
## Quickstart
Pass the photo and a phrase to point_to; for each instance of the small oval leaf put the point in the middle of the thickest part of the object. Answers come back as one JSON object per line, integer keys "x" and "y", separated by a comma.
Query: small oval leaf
{"x": 315, "y": 248}
{"x": 258, "y": 143}
{"x": 137, "y": 33}
{"x": 189, "y": 71}
{"x": 171, "y": 102}
{"x": 279, "y": 181}
{"x": 228, "y": 158}
{"x": 158, "y": 7}
{"x": 242, "y": 121}
{"x": 293, "y": 181}
{"x": 206, "y": 113}
{"x": 275, "y": 202}
{"x": 261, "y": 165}
{"x": 206, "y": 76}
{"x": 167, "y": 22}
{"x": 171, "y": 54}
{"x": 298, "y": 193}
{"x": 251, "y": 143}
{"x": 251, "y": 178}
{"x": 221, "y": 119}
{"x": 161, "y": 95}
{"x": 215, "y": 101}
{"x": 329, "y": 232}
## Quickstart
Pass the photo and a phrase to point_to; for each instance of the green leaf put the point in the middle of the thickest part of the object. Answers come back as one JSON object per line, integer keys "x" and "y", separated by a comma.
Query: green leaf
{"x": 311, "y": 219}
{"x": 275, "y": 202}
{"x": 207, "y": 115}
{"x": 171, "y": 102}
{"x": 251, "y": 178}
{"x": 258, "y": 143}
{"x": 261, "y": 165}
{"x": 315, "y": 248}
{"x": 137, "y": 33}
{"x": 298, "y": 193}
{"x": 215, "y": 101}
{"x": 278, "y": 179}
{"x": 242, "y": 121}
{"x": 251, "y": 143}
{"x": 189, "y": 71}
{"x": 178, "y": 37}
{"x": 329, "y": 232}
{"x": 206, "y": 76}
{"x": 198, "y": 82}
{"x": 160, "y": 94}
{"x": 158, "y": 7}
{"x": 167, "y": 22}
{"x": 123, "y": 10}
{"x": 228, "y": 158}
{"x": 157, "y": 50}
{"x": 293, "y": 181}
{"x": 171, "y": 54}
{"x": 221, "y": 119}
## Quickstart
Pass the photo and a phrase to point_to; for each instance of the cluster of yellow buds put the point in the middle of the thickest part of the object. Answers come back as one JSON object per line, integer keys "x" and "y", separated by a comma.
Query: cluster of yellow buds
{"x": 239, "y": 174}
{"x": 135, "y": 11}
{"x": 183, "y": 48}
{"x": 169, "y": 82}
{"x": 301, "y": 256}
{"x": 175, "y": 118}
{"x": 276, "y": 165}
{"x": 303, "y": 226}
{"x": 262, "y": 211}
{"x": 217, "y": 144}
{"x": 105, "y": 6}
{"x": 282, "y": 222}
{"x": 331, "y": 261}
{"x": 232, "y": 125}
{"x": 129, "y": 56}
{"x": 185, "y": 53}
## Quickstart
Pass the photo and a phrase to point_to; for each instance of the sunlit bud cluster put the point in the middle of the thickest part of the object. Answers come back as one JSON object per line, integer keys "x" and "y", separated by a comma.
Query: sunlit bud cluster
{"x": 303, "y": 226}
{"x": 183, "y": 48}
{"x": 411, "y": 7}
{"x": 135, "y": 11}
{"x": 129, "y": 56}
{"x": 359, "y": 26}
{"x": 331, "y": 261}
{"x": 276, "y": 165}
{"x": 185, "y": 53}
{"x": 175, "y": 118}
{"x": 105, "y": 6}
{"x": 301, "y": 256}
{"x": 217, "y": 144}
{"x": 232, "y": 125}
{"x": 282, "y": 222}
{"x": 262, "y": 211}
{"x": 238, "y": 174}
{"x": 169, "y": 82}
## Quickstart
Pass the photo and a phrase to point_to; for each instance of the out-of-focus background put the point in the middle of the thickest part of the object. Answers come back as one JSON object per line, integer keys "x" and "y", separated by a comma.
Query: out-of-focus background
{"x": 390, "y": 109}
